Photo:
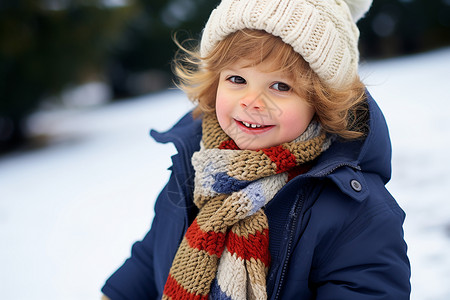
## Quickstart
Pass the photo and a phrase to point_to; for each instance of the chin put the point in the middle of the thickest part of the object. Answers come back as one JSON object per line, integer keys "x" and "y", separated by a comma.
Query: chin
{"x": 252, "y": 145}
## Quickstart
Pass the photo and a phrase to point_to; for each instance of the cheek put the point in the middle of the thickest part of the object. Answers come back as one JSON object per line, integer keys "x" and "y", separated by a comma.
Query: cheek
{"x": 220, "y": 102}
{"x": 297, "y": 120}
{"x": 222, "y": 110}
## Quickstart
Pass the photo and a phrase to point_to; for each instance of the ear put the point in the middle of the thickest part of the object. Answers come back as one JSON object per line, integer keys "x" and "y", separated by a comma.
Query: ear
{"x": 358, "y": 8}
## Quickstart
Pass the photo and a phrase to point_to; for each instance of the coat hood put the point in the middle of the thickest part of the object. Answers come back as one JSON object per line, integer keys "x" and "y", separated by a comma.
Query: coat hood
{"x": 373, "y": 154}
{"x": 376, "y": 153}
{"x": 346, "y": 161}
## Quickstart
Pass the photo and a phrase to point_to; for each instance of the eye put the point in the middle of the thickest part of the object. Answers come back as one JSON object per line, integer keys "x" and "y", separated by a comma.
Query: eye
{"x": 280, "y": 86}
{"x": 236, "y": 79}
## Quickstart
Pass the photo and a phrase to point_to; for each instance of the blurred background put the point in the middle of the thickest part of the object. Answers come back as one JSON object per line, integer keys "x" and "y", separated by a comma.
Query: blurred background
{"x": 81, "y": 84}
{"x": 53, "y": 52}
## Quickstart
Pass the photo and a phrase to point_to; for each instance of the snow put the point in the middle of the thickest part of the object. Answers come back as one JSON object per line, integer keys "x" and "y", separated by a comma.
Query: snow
{"x": 70, "y": 211}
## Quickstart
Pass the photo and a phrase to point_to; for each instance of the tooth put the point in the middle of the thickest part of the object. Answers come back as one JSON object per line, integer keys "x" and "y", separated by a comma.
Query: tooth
{"x": 249, "y": 125}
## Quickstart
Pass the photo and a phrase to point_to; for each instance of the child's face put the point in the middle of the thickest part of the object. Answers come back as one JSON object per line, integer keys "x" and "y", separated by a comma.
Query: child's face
{"x": 257, "y": 108}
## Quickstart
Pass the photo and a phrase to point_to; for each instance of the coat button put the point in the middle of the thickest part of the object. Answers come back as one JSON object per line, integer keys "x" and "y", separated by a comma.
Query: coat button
{"x": 356, "y": 185}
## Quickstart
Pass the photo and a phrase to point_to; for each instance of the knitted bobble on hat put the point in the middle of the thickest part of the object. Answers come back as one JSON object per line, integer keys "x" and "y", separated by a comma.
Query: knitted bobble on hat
{"x": 358, "y": 8}
{"x": 323, "y": 32}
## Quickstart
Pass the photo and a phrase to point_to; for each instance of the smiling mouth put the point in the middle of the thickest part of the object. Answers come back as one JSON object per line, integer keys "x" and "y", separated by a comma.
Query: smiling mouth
{"x": 253, "y": 125}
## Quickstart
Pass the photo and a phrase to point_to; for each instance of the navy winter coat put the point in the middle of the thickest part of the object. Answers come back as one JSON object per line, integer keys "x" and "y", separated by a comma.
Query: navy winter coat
{"x": 335, "y": 232}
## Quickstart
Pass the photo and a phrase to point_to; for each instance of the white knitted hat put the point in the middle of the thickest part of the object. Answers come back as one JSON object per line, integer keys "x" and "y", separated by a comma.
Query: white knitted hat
{"x": 323, "y": 32}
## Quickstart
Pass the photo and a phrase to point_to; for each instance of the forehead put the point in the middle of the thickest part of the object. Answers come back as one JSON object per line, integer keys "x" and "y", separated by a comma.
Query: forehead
{"x": 265, "y": 66}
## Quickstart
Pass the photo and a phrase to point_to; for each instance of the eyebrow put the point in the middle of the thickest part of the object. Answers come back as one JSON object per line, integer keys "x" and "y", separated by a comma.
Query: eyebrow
{"x": 280, "y": 77}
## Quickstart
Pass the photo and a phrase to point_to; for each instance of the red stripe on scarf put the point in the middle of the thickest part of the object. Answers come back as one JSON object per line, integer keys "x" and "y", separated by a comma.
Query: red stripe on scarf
{"x": 230, "y": 145}
{"x": 176, "y": 291}
{"x": 282, "y": 157}
{"x": 212, "y": 242}
{"x": 299, "y": 170}
{"x": 256, "y": 246}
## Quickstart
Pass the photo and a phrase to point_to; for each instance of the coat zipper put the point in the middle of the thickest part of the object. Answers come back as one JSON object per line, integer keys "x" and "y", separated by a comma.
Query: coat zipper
{"x": 297, "y": 211}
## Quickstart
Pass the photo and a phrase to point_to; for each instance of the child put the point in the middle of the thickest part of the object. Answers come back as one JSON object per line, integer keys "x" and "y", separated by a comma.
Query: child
{"x": 277, "y": 190}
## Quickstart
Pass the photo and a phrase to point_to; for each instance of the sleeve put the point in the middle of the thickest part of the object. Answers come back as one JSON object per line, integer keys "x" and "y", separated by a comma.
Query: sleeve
{"x": 369, "y": 261}
{"x": 135, "y": 278}
{"x": 142, "y": 275}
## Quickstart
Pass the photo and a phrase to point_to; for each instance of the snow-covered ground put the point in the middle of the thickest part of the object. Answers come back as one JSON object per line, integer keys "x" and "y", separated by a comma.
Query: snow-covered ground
{"x": 69, "y": 212}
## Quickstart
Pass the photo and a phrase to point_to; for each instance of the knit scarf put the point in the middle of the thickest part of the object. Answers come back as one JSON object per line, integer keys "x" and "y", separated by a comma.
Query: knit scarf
{"x": 224, "y": 253}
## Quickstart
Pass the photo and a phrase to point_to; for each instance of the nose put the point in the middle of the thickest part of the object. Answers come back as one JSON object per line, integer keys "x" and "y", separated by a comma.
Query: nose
{"x": 253, "y": 100}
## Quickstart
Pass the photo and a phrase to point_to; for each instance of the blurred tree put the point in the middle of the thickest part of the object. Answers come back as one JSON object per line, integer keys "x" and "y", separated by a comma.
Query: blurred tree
{"x": 147, "y": 44}
{"x": 394, "y": 27}
{"x": 44, "y": 47}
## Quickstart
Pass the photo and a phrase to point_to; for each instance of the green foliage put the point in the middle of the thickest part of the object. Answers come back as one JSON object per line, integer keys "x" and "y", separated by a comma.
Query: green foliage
{"x": 147, "y": 41}
{"x": 42, "y": 50}
{"x": 395, "y": 27}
